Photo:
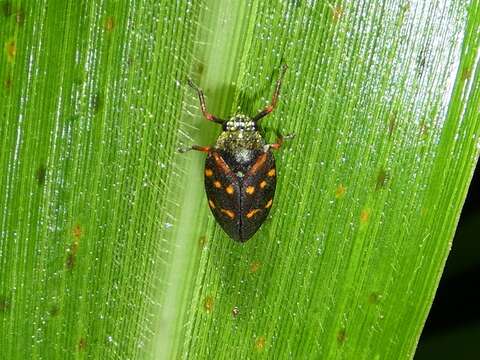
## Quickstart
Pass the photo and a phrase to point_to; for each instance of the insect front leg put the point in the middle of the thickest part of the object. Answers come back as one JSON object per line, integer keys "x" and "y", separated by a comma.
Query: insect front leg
{"x": 279, "y": 142}
{"x": 205, "y": 149}
{"x": 274, "y": 101}
{"x": 203, "y": 106}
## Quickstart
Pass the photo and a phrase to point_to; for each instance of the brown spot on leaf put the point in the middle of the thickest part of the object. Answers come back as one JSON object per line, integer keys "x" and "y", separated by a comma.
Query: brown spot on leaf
{"x": 97, "y": 103}
{"x": 392, "y": 123}
{"x": 7, "y": 8}
{"x": 82, "y": 344}
{"x": 255, "y": 266}
{"x": 79, "y": 76}
{"x": 235, "y": 311}
{"x": 382, "y": 178}
{"x": 40, "y": 174}
{"x": 260, "y": 343}
{"x": 424, "y": 128}
{"x": 341, "y": 336}
{"x": 421, "y": 63}
{"x": 423, "y": 211}
{"x": 77, "y": 231}
{"x": 202, "y": 241}
{"x": 374, "y": 298}
{"x": 70, "y": 262}
{"x": 364, "y": 216}
{"x": 8, "y": 83}
{"x": 337, "y": 13}
{"x": 54, "y": 310}
{"x": 200, "y": 68}
{"x": 11, "y": 49}
{"x": 4, "y": 304}
{"x": 110, "y": 23}
{"x": 74, "y": 247}
{"x": 20, "y": 17}
{"x": 208, "y": 304}
{"x": 340, "y": 191}
{"x": 466, "y": 73}
{"x": 72, "y": 252}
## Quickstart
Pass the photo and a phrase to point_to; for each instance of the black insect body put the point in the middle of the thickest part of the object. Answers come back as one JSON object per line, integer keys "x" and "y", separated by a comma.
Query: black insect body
{"x": 240, "y": 174}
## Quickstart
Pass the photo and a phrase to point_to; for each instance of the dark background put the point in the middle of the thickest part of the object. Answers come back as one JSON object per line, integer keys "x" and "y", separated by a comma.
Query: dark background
{"x": 452, "y": 330}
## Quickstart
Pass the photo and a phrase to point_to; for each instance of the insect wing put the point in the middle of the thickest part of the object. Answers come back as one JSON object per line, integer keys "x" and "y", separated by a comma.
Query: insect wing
{"x": 258, "y": 190}
{"x": 223, "y": 194}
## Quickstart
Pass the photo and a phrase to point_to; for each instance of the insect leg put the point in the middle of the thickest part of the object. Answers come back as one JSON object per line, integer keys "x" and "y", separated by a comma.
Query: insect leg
{"x": 205, "y": 149}
{"x": 279, "y": 142}
{"x": 267, "y": 110}
{"x": 203, "y": 106}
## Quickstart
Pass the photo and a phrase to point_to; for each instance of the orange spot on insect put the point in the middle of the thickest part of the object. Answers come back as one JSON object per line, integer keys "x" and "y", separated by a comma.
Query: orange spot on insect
{"x": 229, "y": 213}
{"x": 260, "y": 343}
{"x": 217, "y": 184}
{"x": 269, "y": 203}
{"x": 211, "y": 203}
{"x": 208, "y": 172}
{"x": 251, "y": 213}
{"x": 208, "y": 304}
{"x": 250, "y": 190}
{"x": 271, "y": 173}
{"x": 340, "y": 192}
{"x": 229, "y": 189}
{"x": 263, "y": 184}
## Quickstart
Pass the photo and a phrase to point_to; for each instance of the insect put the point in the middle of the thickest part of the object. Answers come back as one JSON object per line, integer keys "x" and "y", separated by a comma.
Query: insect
{"x": 240, "y": 174}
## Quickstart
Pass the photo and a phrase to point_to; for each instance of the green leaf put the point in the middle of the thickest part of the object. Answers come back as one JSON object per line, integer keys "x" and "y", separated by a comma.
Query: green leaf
{"x": 107, "y": 246}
